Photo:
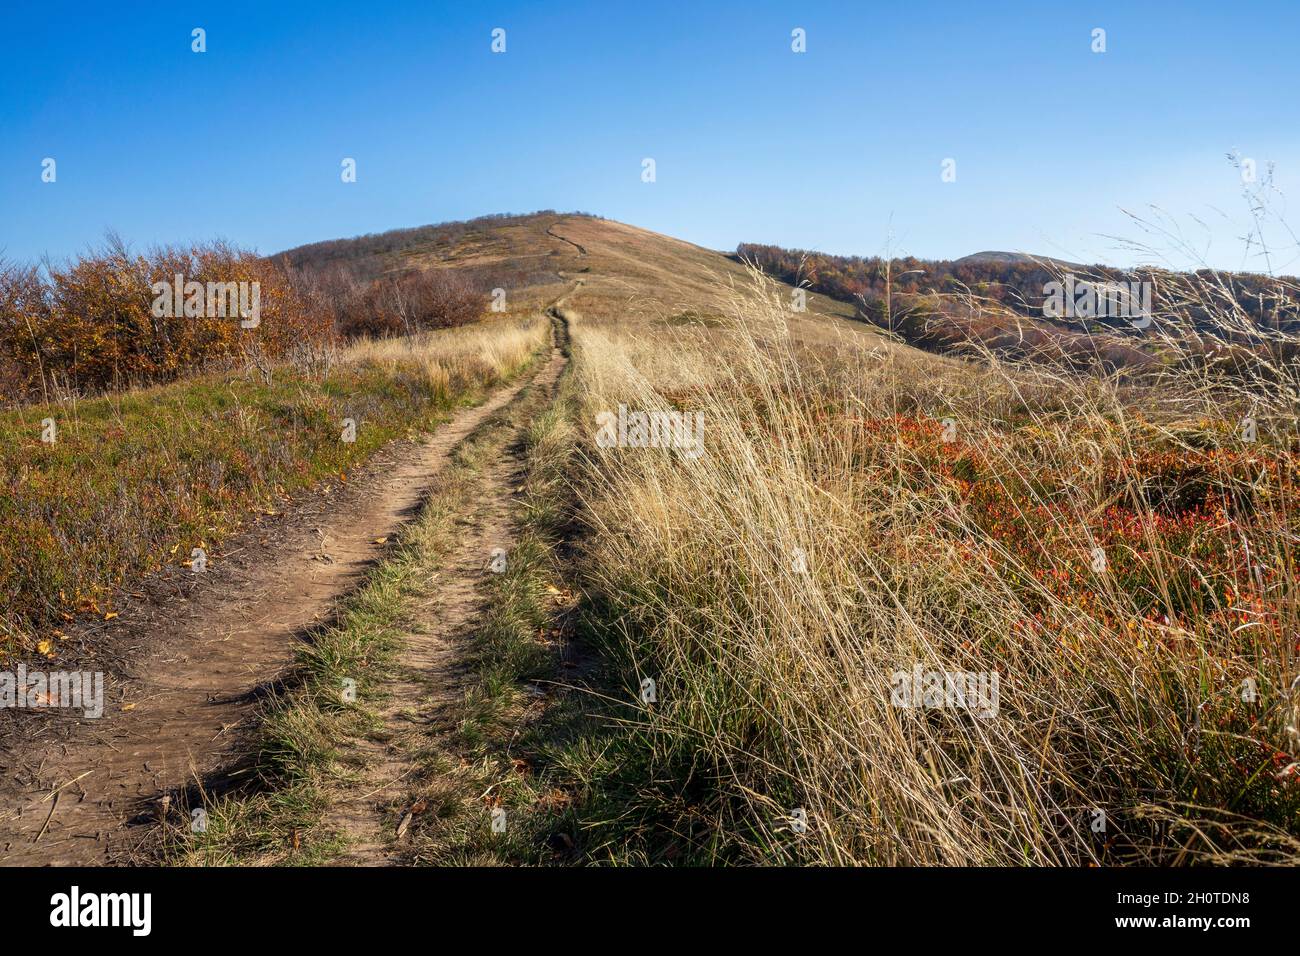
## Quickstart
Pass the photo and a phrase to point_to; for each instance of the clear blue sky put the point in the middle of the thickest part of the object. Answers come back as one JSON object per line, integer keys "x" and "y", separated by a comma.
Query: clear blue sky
{"x": 833, "y": 149}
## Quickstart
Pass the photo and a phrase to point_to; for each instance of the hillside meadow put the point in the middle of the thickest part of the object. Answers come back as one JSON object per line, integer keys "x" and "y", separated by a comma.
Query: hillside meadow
{"x": 829, "y": 599}
{"x": 1119, "y": 563}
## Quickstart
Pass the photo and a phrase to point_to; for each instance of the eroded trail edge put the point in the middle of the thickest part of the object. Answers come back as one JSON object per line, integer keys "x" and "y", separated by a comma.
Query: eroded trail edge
{"x": 177, "y": 716}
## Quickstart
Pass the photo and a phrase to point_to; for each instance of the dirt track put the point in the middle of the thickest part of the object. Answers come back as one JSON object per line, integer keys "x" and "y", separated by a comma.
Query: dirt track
{"x": 429, "y": 673}
{"x": 210, "y": 660}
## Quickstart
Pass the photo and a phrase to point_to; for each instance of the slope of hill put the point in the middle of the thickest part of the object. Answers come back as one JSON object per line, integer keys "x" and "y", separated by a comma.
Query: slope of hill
{"x": 627, "y": 273}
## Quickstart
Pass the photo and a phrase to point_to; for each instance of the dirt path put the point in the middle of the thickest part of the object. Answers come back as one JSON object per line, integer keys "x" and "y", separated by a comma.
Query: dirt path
{"x": 176, "y": 718}
{"x": 429, "y": 675}
{"x": 582, "y": 251}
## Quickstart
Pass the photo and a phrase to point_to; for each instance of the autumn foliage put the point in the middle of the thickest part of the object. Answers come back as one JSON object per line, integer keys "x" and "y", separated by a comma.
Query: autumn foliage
{"x": 1018, "y": 283}
{"x": 90, "y": 324}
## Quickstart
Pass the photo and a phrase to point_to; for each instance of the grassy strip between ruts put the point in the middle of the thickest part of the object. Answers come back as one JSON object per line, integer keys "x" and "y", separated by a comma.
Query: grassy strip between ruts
{"x": 489, "y": 755}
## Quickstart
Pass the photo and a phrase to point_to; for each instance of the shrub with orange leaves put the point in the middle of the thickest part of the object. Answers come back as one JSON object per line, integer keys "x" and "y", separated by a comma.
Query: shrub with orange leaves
{"x": 91, "y": 325}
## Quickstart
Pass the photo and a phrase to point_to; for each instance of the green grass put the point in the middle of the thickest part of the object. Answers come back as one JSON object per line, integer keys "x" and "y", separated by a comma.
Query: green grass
{"x": 513, "y": 657}
{"x": 549, "y": 728}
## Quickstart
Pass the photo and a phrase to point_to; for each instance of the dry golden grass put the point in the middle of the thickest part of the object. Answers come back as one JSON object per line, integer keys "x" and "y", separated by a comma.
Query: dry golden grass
{"x": 489, "y": 350}
{"x": 1122, "y": 689}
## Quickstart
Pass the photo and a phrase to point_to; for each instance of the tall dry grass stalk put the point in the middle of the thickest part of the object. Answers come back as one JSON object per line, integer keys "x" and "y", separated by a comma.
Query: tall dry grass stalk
{"x": 1122, "y": 732}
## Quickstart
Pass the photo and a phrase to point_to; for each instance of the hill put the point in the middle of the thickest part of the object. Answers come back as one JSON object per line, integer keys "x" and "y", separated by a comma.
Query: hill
{"x": 626, "y": 574}
{"x": 627, "y": 273}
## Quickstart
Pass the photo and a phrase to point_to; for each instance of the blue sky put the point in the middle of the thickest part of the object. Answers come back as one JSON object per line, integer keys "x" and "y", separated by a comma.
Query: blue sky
{"x": 839, "y": 148}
